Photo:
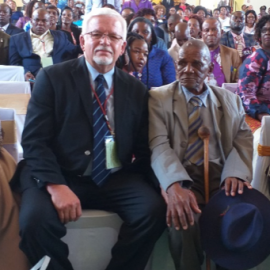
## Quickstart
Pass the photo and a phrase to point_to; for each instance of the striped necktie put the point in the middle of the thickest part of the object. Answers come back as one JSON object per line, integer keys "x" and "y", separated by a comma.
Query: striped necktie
{"x": 100, "y": 128}
{"x": 194, "y": 151}
{"x": 239, "y": 45}
{"x": 2, "y": 29}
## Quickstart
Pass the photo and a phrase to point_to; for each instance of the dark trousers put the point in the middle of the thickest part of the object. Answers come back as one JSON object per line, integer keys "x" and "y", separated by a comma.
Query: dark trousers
{"x": 140, "y": 206}
{"x": 185, "y": 245}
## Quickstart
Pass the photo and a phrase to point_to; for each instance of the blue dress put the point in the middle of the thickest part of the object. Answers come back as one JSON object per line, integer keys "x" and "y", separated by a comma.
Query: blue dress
{"x": 161, "y": 69}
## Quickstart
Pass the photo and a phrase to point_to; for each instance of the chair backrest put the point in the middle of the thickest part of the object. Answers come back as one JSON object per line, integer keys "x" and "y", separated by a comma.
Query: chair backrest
{"x": 9, "y": 139}
{"x": 261, "y": 175}
{"x": 12, "y": 73}
{"x": 230, "y": 86}
{"x": 14, "y": 87}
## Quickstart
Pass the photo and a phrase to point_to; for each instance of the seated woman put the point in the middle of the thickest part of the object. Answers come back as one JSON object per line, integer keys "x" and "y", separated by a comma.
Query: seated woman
{"x": 68, "y": 26}
{"x": 251, "y": 19}
{"x": 254, "y": 74}
{"x": 160, "y": 11}
{"x": 200, "y": 11}
{"x": 136, "y": 55}
{"x": 160, "y": 69}
{"x": 195, "y": 24}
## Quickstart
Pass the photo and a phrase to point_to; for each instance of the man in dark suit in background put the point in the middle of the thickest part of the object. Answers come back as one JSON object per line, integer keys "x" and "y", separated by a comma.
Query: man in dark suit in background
{"x": 4, "y": 45}
{"x": 69, "y": 159}
{"x": 29, "y": 49}
{"x": 5, "y": 26}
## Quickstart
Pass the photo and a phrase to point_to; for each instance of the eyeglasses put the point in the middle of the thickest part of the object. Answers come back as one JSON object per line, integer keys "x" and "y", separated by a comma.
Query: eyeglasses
{"x": 98, "y": 35}
{"x": 250, "y": 17}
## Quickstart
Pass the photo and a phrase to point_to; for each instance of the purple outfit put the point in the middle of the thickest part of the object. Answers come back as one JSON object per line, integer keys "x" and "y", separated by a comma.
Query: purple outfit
{"x": 217, "y": 71}
{"x": 142, "y": 4}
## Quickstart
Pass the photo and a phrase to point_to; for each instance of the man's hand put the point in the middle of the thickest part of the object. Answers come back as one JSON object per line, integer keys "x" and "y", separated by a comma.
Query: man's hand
{"x": 233, "y": 185}
{"x": 66, "y": 202}
{"x": 182, "y": 205}
{"x": 28, "y": 75}
{"x": 261, "y": 115}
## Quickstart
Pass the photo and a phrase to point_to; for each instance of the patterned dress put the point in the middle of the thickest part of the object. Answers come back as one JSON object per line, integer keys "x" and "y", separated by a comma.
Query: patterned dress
{"x": 254, "y": 83}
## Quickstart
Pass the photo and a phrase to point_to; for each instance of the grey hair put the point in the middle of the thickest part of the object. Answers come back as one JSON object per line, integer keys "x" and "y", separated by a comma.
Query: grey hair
{"x": 104, "y": 12}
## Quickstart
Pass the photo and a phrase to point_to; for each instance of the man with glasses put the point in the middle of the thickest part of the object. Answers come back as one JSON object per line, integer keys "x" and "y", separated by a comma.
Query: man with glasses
{"x": 86, "y": 147}
{"x": 236, "y": 38}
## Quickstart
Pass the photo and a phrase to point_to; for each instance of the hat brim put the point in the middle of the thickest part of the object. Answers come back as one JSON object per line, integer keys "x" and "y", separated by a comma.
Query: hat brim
{"x": 211, "y": 232}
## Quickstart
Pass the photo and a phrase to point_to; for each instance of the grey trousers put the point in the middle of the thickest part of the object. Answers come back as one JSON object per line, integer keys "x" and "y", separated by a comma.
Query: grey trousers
{"x": 185, "y": 245}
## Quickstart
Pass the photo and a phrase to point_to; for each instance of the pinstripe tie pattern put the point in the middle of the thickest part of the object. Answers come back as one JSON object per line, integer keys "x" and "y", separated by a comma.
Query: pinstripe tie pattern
{"x": 194, "y": 151}
{"x": 100, "y": 128}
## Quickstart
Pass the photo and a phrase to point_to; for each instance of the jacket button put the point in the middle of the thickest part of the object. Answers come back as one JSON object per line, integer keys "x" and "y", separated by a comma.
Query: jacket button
{"x": 87, "y": 152}
{"x": 183, "y": 144}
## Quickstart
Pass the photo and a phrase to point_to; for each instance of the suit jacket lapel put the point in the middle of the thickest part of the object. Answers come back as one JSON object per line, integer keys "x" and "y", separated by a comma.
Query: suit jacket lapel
{"x": 28, "y": 42}
{"x": 180, "y": 109}
{"x": 80, "y": 75}
{"x": 225, "y": 63}
{"x": 217, "y": 114}
{"x": 120, "y": 102}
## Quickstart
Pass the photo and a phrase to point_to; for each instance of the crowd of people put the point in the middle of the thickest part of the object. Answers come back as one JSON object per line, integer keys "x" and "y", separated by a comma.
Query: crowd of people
{"x": 119, "y": 91}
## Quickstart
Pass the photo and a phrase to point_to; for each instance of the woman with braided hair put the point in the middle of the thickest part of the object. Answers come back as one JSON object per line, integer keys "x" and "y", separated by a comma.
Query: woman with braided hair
{"x": 136, "y": 55}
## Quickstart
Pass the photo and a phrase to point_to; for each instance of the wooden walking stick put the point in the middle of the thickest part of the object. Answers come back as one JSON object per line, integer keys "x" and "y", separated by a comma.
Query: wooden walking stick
{"x": 204, "y": 134}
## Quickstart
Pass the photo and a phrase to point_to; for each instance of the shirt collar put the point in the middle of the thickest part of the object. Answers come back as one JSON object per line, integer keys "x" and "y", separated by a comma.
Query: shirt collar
{"x": 40, "y": 36}
{"x": 203, "y": 96}
{"x": 235, "y": 35}
{"x": 5, "y": 27}
{"x": 107, "y": 76}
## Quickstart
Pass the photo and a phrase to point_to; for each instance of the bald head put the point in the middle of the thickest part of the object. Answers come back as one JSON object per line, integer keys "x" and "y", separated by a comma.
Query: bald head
{"x": 173, "y": 21}
{"x": 198, "y": 46}
{"x": 182, "y": 33}
{"x": 40, "y": 21}
{"x": 194, "y": 66}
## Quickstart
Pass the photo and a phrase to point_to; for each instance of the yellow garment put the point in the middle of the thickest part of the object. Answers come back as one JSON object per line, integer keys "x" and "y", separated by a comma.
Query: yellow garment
{"x": 43, "y": 44}
{"x": 263, "y": 150}
{"x": 11, "y": 257}
{"x": 157, "y": 2}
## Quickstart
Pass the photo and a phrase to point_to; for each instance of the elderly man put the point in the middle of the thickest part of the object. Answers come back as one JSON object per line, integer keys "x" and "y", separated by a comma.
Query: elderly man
{"x": 226, "y": 60}
{"x": 168, "y": 28}
{"x": 40, "y": 46}
{"x": 235, "y": 38}
{"x": 176, "y": 111}
{"x": 86, "y": 146}
{"x": 5, "y": 26}
{"x": 4, "y": 46}
{"x": 182, "y": 34}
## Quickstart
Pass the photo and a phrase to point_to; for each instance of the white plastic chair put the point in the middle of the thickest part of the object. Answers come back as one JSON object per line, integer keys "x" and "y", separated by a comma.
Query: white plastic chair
{"x": 91, "y": 238}
{"x": 17, "y": 88}
{"x": 12, "y": 73}
{"x": 7, "y": 118}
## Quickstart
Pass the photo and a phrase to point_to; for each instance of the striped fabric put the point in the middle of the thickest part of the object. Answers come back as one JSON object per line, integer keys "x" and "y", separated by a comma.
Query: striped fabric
{"x": 194, "y": 151}
{"x": 100, "y": 128}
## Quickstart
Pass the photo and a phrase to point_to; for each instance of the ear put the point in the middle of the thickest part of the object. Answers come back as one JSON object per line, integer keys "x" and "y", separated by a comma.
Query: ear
{"x": 82, "y": 42}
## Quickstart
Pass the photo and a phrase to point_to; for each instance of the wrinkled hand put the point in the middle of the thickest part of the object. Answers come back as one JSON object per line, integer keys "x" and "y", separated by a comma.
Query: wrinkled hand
{"x": 233, "y": 185}
{"x": 182, "y": 205}
{"x": 28, "y": 75}
{"x": 66, "y": 203}
{"x": 261, "y": 115}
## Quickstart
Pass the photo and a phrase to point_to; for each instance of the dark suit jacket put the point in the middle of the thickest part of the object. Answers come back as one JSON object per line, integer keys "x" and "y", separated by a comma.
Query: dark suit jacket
{"x": 4, "y": 45}
{"x": 58, "y": 128}
{"x": 21, "y": 51}
{"x": 227, "y": 40}
{"x": 13, "y": 30}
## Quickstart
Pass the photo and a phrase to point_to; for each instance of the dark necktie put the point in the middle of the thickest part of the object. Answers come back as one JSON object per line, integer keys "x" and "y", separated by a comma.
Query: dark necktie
{"x": 100, "y": 128}
{"x": 194, "y": 151}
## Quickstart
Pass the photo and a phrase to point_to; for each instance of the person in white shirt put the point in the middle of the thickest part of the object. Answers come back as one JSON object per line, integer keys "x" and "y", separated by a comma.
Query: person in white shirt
{"x": 224, "y": 20}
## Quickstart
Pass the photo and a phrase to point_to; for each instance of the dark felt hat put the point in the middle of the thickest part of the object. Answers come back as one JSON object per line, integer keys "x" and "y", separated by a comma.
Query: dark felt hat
{"x": 235, "y": 231}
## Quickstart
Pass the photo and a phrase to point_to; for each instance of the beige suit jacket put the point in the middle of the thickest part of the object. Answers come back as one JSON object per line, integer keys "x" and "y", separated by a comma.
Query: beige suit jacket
{"x": 230, "y": 62}
{"x": 168, "y": 134}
